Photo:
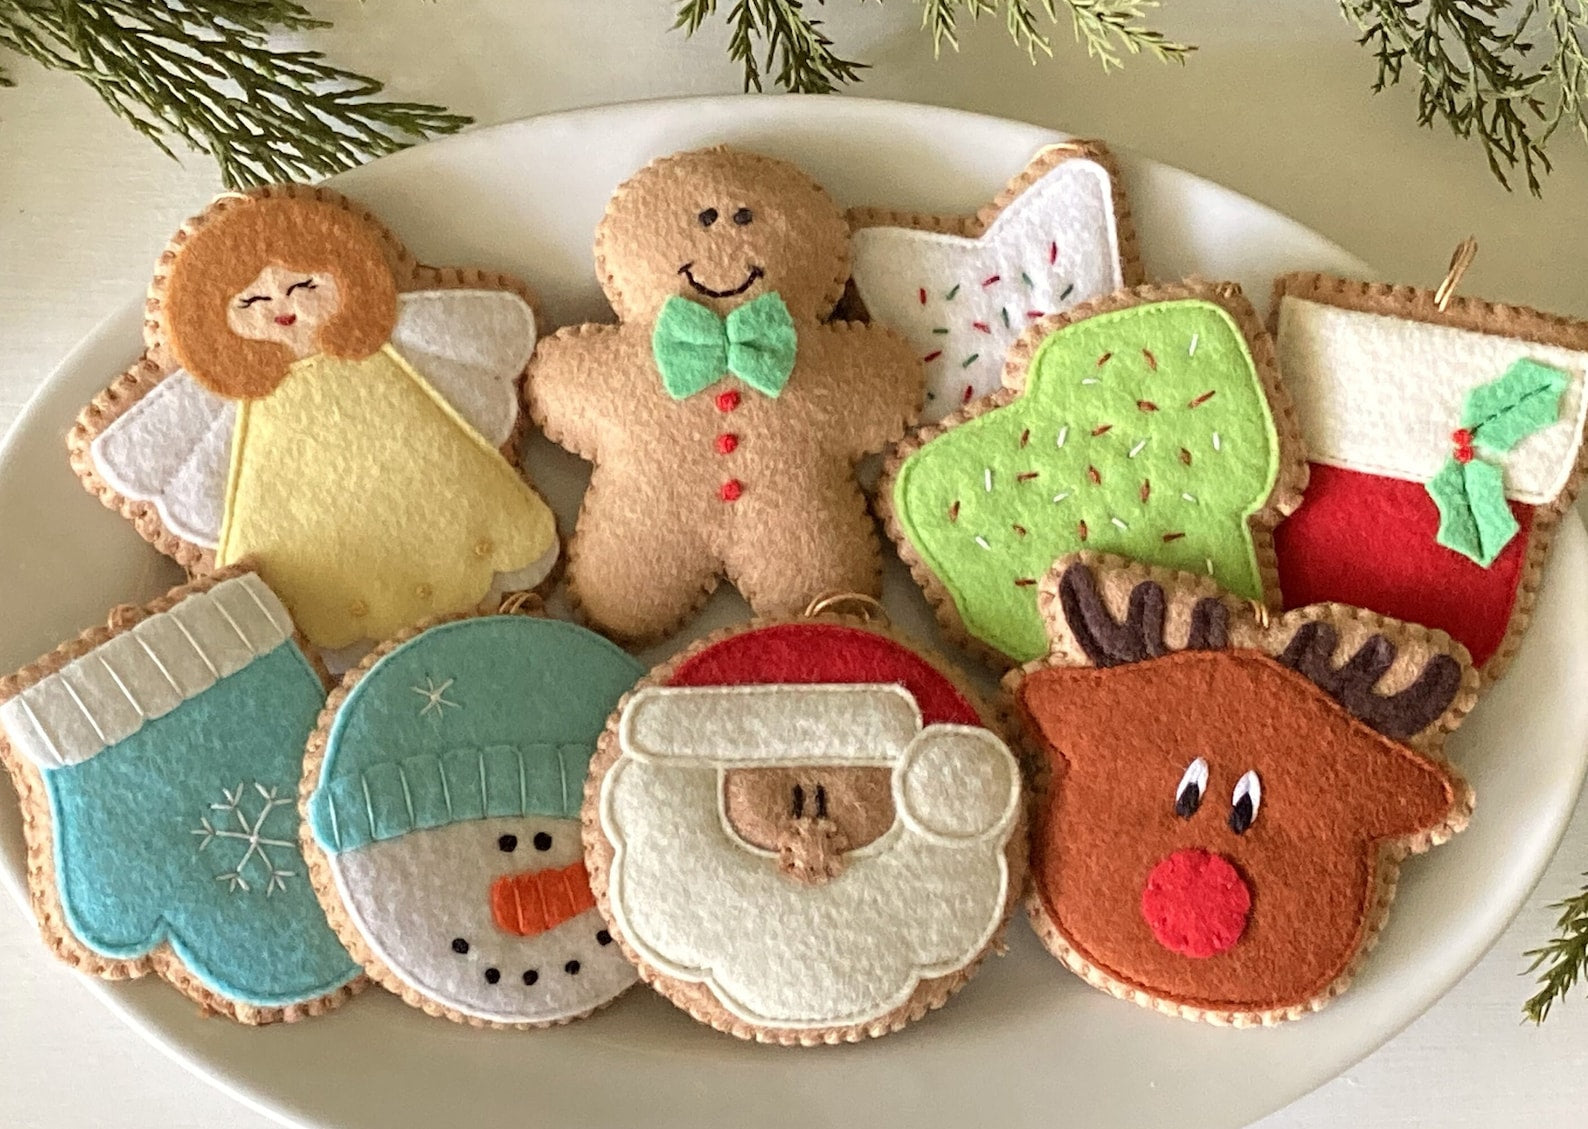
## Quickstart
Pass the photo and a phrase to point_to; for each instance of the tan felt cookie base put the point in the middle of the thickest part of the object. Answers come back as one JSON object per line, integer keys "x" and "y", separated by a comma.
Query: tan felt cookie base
{"x": 37, "y": 830}
{"x": 698, "y": 999}
{"x": 1283, "y": 499}
{"x": 1249, "y": 629}
{"x": 1416, "y": 304}
{"x": 319, "y": 864}
{"x": 158, "y": 362}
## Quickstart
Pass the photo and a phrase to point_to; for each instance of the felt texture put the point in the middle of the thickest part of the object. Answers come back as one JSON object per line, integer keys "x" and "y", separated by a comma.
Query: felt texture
{"x": 694, "y": 348}
{"x": 470, "y": 740}
{"x": 414, "y": 898}
{"x": 877, "y": 870}
{"x": 532, "y": 901}
{"x": 362, "y": 535}
{"x": 673, "y": 505}
{"x": 157, "y": 666}
{"x": 1144, "y": 430}
{"x": 1475, "y": 520}
{"x": 962, "y": 292}
{"x": 1370, "y": 541}
{"x": 1381, "y": 393}
{"x": 1256, "y": 903}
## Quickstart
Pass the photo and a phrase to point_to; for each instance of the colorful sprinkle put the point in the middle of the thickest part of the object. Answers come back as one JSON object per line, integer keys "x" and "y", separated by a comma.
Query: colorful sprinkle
{"x": 1089, "y": 380}
{"x": 1003, "y": 312}
{"x": 953, "y": 512}
{"x": 1025, "y": 437}
{"x": 1188, "y": 497}
{"x": 970, "y": 360}
{"x": 968, "y": 394}
{"x": 1027, "y": 475}
{"x": 1063, "y": 434}
{"x": 986, "y": 479}
{"x": 1060, "y": 496}
{"x": 1104, "y": 359}
{"x": 1053, "y": 253}
{"x": 940, "y": 330}
{"x": 1024, "y": 582}
{"x": 1146, "y": 490}
{"x": 1167, "y": 537}
{"x": 1034, "y": 314}
{"x": 1020, "y": 530}
{"x": 1137, "y": 449}
{"x": 1097, "y": 479}
{"x": 1068, "y": 290}
{"x": 1081, "y": 530}
{"x": 1119, "y": 523}
{"x": 923, "y": 295}
{"x": 1209, "y": 562}
{"x": 981, "y": 326}
{"x": 1026, "y": 278}
{"x": 1185, "y": 456}
{"x": 1193, "y": 350}
{"x": 949, "y": 297}
{"x": 1202, "y": 399}
{"x": 1102, "y": 429}
{"x": 1146, "y": 406}
{"x": 982, "y": 541}
{"x": 1152, "y": 361}
{"x": 932, "y": 356}
{"x": 990, "y": 279}
{"x": 1218, "y": 444}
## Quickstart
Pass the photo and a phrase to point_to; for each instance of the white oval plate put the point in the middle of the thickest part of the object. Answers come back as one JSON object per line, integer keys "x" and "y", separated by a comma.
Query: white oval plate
{"x": 1026, "y": 1044}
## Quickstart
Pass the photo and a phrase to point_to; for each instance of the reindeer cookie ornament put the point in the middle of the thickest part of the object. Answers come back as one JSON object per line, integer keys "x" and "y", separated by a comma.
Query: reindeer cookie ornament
{"x": 316, "y": 402}
{"x": 1231, "y": 797}
{"x": 723, "y": 414}
{"x": 804, "y": 832}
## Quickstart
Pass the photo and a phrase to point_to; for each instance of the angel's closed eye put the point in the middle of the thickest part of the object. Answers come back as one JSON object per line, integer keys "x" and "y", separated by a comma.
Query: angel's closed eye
{"x": 251, "y": 299}
{"x": 306, "y": 284}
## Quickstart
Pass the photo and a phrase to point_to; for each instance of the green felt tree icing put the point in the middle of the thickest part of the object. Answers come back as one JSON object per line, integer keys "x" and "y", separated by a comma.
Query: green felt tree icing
{"x": 1144, "y": 432}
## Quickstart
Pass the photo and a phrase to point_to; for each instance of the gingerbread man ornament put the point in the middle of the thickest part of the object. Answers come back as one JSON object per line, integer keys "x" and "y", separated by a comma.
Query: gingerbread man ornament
{"x": 724, "y": 416}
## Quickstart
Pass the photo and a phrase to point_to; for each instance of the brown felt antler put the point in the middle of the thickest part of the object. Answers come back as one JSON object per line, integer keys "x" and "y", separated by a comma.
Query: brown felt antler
{"x": 1109, "y": 642}
{"x": 1310, "y": 653}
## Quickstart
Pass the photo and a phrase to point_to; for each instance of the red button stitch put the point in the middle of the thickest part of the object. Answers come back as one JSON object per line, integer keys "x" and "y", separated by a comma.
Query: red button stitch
{"x": 1462, "y": 438}
{"x": 727, "y": 401}
{"x": 732, "y": 490}
{"x": 726, "y": 443}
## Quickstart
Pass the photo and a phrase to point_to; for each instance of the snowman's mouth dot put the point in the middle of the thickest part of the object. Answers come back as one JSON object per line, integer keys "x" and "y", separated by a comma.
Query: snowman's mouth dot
{"x": 530, "y": 976}
{"x": 459, "y": 945}
{"x": 492, "y": 975}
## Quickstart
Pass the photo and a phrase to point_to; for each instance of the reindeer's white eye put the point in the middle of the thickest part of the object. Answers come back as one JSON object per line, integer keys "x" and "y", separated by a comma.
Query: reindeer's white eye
{"x": 1244, "y": 803}
{"x": 1188, "y": 797}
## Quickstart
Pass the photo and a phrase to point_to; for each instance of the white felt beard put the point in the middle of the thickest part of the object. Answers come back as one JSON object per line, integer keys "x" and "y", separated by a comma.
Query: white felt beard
{"x": 962, "y": 302}
{"x": 411, "y": 898}
{"x": 1381, "y": 395}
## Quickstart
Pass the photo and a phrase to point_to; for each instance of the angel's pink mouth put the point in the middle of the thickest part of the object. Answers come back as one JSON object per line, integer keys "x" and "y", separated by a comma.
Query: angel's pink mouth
{"x": 286, "y": 319}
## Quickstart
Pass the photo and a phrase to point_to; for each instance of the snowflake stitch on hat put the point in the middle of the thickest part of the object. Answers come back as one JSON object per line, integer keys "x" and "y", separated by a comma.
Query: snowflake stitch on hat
{"x": 157, "y": 765}
{"x": 1151, "y": 422}
{"x": 1446, "y": 445}
{"x": 442, "y": 791}
{"x": 804, "y": 832}
{"x": 723, "y": 414}
{"x": 316, "y": 402}
{"x": 1230, "y": 797}
{"x": 962, "y": 288}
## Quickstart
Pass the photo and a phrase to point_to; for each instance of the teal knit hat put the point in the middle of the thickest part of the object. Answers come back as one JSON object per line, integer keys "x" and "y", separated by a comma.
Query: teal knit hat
{"x": 496, "y": 716}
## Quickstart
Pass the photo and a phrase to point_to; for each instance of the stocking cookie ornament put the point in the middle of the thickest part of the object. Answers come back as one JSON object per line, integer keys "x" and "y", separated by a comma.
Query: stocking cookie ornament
{"x": 443, "y": 789}
{"x": 1263, "y": 779}
{"x": 318, "y": 403}
{"x": 723, "y": 414}
{"x": 804, "y": 831}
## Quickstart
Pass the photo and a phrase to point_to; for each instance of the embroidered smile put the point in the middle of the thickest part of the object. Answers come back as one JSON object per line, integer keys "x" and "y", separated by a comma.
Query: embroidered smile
{"x": 756, "y": 273}
{"x": 286, "y": 319}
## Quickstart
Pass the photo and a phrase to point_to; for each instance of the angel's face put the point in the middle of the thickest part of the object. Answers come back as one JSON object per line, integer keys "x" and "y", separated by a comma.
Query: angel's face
{"x": 285, "y": 306}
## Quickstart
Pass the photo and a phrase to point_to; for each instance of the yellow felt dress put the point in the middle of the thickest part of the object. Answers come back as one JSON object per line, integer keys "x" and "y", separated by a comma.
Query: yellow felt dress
{"x": 367, "y": 503}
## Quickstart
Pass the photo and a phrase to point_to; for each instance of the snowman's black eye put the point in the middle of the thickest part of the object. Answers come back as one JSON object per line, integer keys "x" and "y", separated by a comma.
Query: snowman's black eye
{"x": 571, "y": 968}
{"x": 530, "y": 976}
{"x": 542, "y": 841}
{"x": 507, "y": 843}
{"x": 708, "y": 217}
{"x": 492, "y": 975}
{"x": 603, "y": 937}
{"x": 459, "y": 945}
{"x": 1193, "y": 784}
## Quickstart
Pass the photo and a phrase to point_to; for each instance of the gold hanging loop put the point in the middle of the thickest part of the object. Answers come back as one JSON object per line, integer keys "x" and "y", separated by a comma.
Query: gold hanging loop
{"x": 1261, "y": 613}
{"x": 869, "y": 607}
{"x": 1466, "y": 251}
{"x": 519, "y": 603}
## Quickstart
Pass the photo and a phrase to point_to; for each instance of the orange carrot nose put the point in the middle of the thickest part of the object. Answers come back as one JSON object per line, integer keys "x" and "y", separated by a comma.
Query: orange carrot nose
{"x": 533, "y": 901}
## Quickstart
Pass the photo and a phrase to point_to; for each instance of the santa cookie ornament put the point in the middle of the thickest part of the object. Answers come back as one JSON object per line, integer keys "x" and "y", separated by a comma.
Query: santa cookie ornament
{"x": 442, "y": 790}
{"x": 1446, "y": 436}
{"x": 1230, "y": 797}
{"x": 724, "y": 413}
{"x": 316, "y": 402}
{"x": 157, "y": 761}
{"x": 804, "y": 832}
{"x": 961, "y": 288}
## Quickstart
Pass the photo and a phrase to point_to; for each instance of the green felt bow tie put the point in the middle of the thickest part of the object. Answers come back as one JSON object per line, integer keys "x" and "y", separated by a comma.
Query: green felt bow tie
{"x": 694, "y": 348}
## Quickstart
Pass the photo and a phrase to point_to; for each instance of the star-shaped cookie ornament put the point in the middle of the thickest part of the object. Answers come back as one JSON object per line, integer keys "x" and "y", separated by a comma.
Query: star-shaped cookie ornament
{"x": 961, "y": 288}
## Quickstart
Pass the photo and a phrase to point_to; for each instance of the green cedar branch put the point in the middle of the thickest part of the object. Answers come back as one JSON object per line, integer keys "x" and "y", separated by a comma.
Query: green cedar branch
{"x": 203, "y": 72}
{"x": 1564, "y": 959}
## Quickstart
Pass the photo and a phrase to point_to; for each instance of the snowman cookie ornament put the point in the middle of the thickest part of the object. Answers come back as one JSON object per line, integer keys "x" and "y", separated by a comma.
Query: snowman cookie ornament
{"x": 442, "y": 791}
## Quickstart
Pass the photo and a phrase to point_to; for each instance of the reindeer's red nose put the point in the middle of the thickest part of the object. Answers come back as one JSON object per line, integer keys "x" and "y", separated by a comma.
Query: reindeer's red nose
{"x": 1196, "y": 903}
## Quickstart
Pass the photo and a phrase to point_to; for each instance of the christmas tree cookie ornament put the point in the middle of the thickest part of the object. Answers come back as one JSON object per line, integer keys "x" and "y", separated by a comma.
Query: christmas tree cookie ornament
{"x": 723, "y": 413}
{"x": 157, "y": 761}
{"x": 1150, "y": 423}
{"x": 1446, "y": 437}
{"x": 804, "y": 831}
{"x": 1230, "y": 796}
{"x": 962, "y": 288}
{"x": 316, "y": 402}
{"x": 442, "y": 790}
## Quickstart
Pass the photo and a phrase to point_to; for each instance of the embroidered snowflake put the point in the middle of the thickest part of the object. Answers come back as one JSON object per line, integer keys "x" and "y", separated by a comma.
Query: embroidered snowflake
{"x": 435, "y": 697}
{"x": 257, "y": 864}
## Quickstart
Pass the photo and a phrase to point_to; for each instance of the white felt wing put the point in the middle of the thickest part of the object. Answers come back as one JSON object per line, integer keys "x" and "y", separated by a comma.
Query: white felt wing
{"x": 173, "y": 448}
{"x": 471, "y": 345}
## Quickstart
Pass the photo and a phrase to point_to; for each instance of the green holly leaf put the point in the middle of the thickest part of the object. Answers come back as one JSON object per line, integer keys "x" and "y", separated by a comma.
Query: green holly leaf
{"x": 1503, "y": 412}
{"x": 1474, "y": 519}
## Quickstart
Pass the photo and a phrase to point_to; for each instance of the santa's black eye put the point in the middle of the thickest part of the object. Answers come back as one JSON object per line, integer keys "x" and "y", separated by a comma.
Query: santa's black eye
{"x": 507, "y": 843}
{"x": 542, "y": 841}
{"x": 1244, "y": 803}
{"x": 306, "y": 284}
{"x": 743, "y": 216}
{"x": 251, "y": 299}
{"x": 708, "y": 217}
{"x": 459, "y": 945}
{"x": 492, "y": 975}
{"x": 1193, "y": 784}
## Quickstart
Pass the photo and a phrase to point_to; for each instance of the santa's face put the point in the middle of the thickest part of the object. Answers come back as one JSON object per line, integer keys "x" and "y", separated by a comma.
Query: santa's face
{"x": 491, "y": 917}
{"x": 806, "y": 885}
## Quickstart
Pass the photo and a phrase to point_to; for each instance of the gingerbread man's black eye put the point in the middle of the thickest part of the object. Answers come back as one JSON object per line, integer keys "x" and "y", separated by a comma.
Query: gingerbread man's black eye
{"x": 708, "y": 217}
{"x": 743, "y": 216}
{"x": 507, "y": 843}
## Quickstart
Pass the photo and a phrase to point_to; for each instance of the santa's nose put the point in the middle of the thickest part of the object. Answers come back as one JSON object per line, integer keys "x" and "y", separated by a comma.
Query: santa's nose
{"x": 1196, "y": 903}
{"x": 533, "y": 901}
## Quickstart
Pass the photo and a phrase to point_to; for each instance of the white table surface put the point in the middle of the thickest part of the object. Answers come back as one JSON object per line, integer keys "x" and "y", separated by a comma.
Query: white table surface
{"x": 1275, "y": 105}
